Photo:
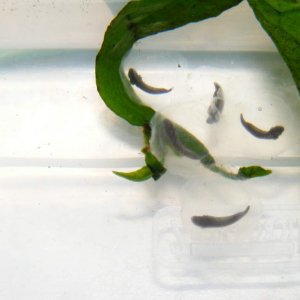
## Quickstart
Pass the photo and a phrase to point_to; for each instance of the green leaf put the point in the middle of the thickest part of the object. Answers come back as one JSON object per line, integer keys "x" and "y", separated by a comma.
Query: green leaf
{"x": 139, "y": 19}
{"x": 156, "y": 167}
{"x": 153, "y": 168}
{"x": 142, "y": 174}
{"x": 190, "y": 142}
{"x": 253, "y": 171}
{"x": 186, "y": 144}
{"x": 281, "y": 20}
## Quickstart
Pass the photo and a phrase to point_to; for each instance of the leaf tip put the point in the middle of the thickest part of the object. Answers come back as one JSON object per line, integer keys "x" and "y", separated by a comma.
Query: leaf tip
{"x": 253, "y": 171}
{"x": 139, "y": 175}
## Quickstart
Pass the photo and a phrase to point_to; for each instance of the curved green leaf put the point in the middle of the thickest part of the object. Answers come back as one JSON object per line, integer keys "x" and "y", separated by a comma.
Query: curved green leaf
{"x": 142, "y": 174}
{"x": 153, "y": 168}
{"x": 186, "y": 144}
{"x": 139, "y": 19}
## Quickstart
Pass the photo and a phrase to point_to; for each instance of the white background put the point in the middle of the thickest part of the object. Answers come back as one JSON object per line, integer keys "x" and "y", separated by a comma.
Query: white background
{"x": 69, "y": 229}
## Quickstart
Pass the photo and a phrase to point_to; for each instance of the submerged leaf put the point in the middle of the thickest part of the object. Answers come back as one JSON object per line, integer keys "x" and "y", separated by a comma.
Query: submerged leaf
{"x": 142, "y": 174}
{"x": 253, "y": 171}
{"x": 153, "y": 169}
{"x": 186, "y": 144}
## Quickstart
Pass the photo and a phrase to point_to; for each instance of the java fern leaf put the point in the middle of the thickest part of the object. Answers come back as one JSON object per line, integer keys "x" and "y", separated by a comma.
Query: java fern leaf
{"x": 281, "y": 20}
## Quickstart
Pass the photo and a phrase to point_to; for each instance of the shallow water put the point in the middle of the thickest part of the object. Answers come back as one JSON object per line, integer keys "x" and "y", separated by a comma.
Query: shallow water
{"x": 50, "y": 107}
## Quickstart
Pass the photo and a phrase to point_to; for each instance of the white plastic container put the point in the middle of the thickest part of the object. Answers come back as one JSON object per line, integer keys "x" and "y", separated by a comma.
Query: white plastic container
{"x": 63, "y": 211}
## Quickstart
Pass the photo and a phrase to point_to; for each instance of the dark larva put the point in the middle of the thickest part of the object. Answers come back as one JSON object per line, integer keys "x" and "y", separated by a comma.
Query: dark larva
{"x": 215, "y": 109}
{"x": 210, "y": 221}
{"x": 272, "y": 134}
{"x": 137, "y": 80}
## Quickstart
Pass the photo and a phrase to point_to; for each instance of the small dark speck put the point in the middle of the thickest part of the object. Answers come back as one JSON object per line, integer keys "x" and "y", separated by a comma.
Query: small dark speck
{"x": 179, "y": 65}
{"x": 259, "y": 109}
{"x": 84, "y": 97}
{"x": 49, "y": 167}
